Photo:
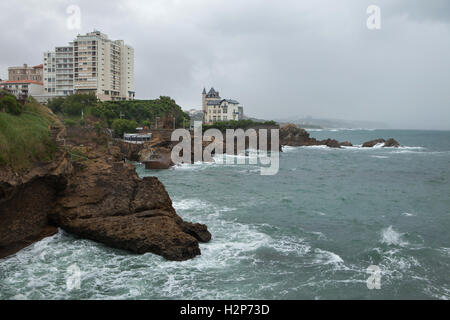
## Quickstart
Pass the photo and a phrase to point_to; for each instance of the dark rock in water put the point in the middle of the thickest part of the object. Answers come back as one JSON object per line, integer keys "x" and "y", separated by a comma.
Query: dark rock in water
{"x": 372, "y": 143}
{"x": 346, "y": 144}
{"x": 391, "y": 143}
{"x": 197, "y": 230}
{"x": 330, "y": 143}
{"x": 292, "y": 135}
{"x": 112, "y": 205}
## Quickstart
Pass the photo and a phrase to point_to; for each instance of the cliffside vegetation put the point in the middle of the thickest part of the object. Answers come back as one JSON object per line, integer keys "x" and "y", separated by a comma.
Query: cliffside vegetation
{"x": 162, "y": 112}
{"x": 235, "y": 124}
{"x": 25, "y": 135}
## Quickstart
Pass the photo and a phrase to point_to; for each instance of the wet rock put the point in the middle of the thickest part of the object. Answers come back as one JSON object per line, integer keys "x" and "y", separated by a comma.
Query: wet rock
{"x": 389, "y": 143}
{"x": 392, "y": 143}
{"x": 292, "y": 135}
{"x": 331, "y": 143}
{"x": 95, "y": 197}
{"x": 372, "y": 143}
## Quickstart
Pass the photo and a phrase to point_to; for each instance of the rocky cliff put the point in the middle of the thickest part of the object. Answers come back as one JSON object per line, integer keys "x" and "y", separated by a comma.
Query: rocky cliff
{"x": 89, "y": 191}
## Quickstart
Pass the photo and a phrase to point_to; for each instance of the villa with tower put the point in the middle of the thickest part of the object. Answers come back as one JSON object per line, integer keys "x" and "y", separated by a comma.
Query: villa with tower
{"x": 217, "y": 109}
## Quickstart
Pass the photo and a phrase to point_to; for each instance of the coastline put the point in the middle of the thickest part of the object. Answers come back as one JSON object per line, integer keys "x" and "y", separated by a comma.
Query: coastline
{"x": 89, "y": 191}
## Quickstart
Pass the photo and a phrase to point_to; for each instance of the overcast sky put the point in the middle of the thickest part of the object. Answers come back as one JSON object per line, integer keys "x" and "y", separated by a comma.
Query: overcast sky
{"x": 279, "y": 59}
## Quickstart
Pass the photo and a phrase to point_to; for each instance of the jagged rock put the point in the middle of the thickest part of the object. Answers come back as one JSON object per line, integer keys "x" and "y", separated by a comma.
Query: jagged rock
{"x": 25, "y": 200}
{"x": 197, "y": 230}
{"x": 346, "y": 144}
{"x": 292, "y": 135}
{"x": 391, "y": 143}
{"x": 372, "y": 143}
{"x": 98, "y": 198}
{"x": 330, "y": 143}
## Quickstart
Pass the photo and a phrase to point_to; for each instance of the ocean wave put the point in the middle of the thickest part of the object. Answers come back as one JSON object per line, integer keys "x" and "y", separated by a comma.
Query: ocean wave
{"x": 291, "y": 245}
{"x": 407, "y": 214}
{"x": 324, "y": 257}
{"x": 391, "y": 237}
{"x": 287, "y": 149}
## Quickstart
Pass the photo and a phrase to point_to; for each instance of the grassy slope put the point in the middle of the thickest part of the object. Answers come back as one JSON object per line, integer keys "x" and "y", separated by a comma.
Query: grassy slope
{"x": 25, "y": 139}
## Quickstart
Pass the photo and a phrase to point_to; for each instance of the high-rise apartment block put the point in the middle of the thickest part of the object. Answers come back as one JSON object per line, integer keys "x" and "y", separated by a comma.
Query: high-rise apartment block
{"x": 103, "y": 67}
{"x": 92, "y": 63}
{"x": 58, "y": 71}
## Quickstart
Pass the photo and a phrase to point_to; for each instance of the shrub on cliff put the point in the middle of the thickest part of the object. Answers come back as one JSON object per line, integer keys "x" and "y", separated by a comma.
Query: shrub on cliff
{"x": 25, "y": 139}
{"x": 121, "y": 126}
{"x": 237, "y": 124}
{"x": 70, "y": 122}
{"x": 10, "y": 104}
{"x": 55, "y": 104}
{"x": 73, "y": 105}
{"x": 145, "y": 112}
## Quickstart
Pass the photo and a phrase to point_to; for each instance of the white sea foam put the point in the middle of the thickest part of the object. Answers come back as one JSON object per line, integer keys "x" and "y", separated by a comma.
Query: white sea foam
{"x": 193, "y": 166}
{"x": 392, "y": 237}
{"x": 324, "y": 257}
{"x": 407, "y": 214}
{"x": 320, "y": 147}
{"x": 291, "y": 245}
{"x": 288, "y": 148}
{"x": 445, "y": 251}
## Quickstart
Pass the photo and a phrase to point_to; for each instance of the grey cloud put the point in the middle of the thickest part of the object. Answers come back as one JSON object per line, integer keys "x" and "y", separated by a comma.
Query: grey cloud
{"x": 279, "y": 59}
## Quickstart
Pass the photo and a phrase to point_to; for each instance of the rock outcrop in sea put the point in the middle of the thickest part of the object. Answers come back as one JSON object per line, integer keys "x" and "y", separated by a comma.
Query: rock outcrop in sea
{"x": 292, "y": 135}
{"x": 385, "y": 143}
{"x": 89, "y": 191}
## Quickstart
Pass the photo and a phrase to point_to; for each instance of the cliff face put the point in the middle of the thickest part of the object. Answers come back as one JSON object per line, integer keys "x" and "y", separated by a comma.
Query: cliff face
{"x": 96, "y": 196}
{"x": 26, "y": 200}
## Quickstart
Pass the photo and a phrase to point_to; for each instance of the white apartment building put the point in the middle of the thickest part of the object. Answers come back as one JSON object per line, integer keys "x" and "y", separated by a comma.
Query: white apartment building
{"x": 90, "y": 64}
{"x": 217, "y": 109}
{"x": 103, "y": 67}
{"x": 58, "y": 72}
{"x": 50, "y": 73}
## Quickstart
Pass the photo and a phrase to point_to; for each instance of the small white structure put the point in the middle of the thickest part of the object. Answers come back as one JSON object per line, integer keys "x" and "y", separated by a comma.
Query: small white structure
{"x": 137, "y": 138}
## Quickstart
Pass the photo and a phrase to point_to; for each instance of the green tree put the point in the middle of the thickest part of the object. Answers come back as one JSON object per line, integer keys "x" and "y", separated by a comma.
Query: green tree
{"x": 55, "y": 104}
{"x": 10, "y": 104}
{"x": 121, "y": 126}
{"x": 72, "y": 108}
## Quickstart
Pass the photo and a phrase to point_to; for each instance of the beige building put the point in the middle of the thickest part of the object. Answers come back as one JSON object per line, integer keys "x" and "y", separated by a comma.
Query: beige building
{"x": 23, "y": 88}
{"x": 25, "y": 73}
{"x": 217, "y": 109}
{"x": 103, "y": 67}
{"x": 90, "y": 64}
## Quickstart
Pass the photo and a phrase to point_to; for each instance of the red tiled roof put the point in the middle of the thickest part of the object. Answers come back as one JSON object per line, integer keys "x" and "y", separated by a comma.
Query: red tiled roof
{"x": 22, "y": 81}
{"x": 39, "y": 66}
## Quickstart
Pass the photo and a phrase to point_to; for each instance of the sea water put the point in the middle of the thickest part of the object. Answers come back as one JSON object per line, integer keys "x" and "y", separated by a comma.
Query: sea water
{"x": 309, "y": 232}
